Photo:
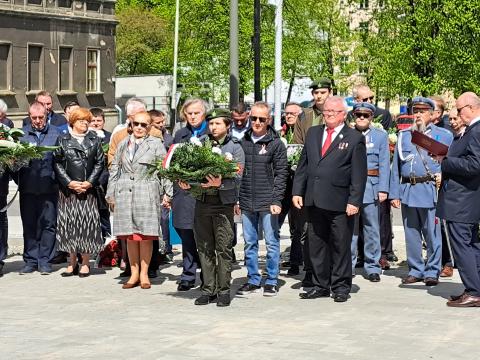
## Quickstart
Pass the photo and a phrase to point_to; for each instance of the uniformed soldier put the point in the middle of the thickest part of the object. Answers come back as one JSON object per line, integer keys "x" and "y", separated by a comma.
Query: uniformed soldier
{"x": 413, "y": 181}
{"x": 376, "y": 190}
{"x": 321, "y": 90}
{"x": 213, "y": 223}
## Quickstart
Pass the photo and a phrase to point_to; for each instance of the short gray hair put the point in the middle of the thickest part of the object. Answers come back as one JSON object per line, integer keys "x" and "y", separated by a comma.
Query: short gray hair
{"x": 264, "y": 105}
{"x": 135, "y": 103}
{"x": 339, "y": 101}
{"x": 3, "y": 107}
{"x": 192, "y": 101}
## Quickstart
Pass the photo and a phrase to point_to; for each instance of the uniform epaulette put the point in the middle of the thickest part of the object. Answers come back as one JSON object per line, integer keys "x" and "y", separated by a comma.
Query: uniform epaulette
{"x": 443, "y": 129}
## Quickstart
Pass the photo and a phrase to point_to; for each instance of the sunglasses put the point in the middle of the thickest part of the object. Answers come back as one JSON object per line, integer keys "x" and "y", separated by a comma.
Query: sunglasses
{"x": 368, "y": 98}
{"x": 142, "y": 124}
{"x": 258, "y": 118}
{"x": 359, "y": 115}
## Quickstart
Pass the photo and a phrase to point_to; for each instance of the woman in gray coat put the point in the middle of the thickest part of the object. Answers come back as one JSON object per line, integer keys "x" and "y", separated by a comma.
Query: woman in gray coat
{"x": 137, "y": 196}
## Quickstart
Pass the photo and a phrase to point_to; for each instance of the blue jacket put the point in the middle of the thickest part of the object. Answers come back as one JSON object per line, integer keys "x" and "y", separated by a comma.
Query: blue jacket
{"x": 459, "y": 194}
{"x": 39, "y": 177}
{"x": 378, "y": 157}
{"x": 410, "y": 162}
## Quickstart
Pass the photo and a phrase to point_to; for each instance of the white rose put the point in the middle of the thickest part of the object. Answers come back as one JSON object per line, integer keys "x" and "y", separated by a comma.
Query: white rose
{"x": 392, "y": 138}
{"x": 228, "y": 156}
{"x": 195, "y": 141}
{"x": 216, "y": 150}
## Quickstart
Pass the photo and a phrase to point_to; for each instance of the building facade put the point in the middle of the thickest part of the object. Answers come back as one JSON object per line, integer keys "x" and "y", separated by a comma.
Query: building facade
{"x": 66, "y": 47}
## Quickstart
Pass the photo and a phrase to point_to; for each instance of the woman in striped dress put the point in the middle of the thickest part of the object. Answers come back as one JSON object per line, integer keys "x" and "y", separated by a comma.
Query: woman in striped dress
{"x": 78, "y": 164}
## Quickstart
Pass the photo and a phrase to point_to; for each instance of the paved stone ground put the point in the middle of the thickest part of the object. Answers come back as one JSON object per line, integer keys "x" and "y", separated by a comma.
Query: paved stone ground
{"x": 49, "y": 317}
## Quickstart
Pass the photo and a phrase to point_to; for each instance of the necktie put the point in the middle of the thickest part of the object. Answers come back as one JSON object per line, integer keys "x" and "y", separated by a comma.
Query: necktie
{"x": 328, "y": 141}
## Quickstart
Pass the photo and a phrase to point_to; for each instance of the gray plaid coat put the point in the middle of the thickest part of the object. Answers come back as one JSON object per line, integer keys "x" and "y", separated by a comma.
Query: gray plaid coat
{"x": 137, "y": 195}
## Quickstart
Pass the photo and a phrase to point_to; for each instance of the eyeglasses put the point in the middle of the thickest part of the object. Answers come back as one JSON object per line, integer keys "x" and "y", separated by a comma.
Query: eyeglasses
{"x": 459, "y": 110}
{"x": 83, "y": 121}
{"x": 368, "y": 98}
{"x": 258, "y": 118}
{"x": 331, "y": 112}
{"x": 37, "y": 117}
{"x": 359, "y": 115}
{"x": 291, "y": 113}
{"x": 142, "y": 124}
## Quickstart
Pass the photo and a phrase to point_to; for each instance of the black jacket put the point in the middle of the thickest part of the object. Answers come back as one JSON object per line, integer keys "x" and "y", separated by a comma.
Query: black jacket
{"x": 75, "y": 162}
{"x": 265, "y": 174}
{"x": 336, "y": 179}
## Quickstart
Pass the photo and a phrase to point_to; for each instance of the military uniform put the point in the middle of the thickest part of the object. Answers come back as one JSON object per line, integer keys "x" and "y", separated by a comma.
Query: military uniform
{"x": 412, "y": 182}
{"x": 213, "y": 222}
{"x": 378, "y": 162}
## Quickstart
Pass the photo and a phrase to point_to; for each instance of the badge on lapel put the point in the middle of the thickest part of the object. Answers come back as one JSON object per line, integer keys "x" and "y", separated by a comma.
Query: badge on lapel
{"x": 343, "y": 145}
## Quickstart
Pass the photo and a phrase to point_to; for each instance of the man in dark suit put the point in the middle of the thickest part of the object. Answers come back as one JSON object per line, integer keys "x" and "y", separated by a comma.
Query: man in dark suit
{"x": 330, "y": 181}
{"x": 459, "y": 197}
{"x": 58, "y": 120}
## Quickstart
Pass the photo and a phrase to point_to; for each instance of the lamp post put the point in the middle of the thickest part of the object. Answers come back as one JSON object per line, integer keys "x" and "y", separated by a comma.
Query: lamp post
{"x": 278, "y": 61}
{"x": 234, "y": 73}
{"x": 173, "y": 104}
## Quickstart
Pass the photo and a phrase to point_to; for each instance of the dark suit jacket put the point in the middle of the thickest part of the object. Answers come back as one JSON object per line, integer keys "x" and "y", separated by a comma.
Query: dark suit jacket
{"x": 459, "y": 194}
{"x": 337, "y": 179}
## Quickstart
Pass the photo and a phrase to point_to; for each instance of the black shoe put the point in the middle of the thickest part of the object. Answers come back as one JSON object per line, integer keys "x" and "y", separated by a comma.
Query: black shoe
{"x": 431, "y": 281}
{"x": 205, "y": 299}
{"x": 59, "y": 258}
{"x": 223, "y": 300}
{"x": 374, "y": 277}
{"x": 152, "y": 274}
{"x": 340, "y": 297}
{"x": 27, "y": 269}
{"x": 294, "y": 270}
{"x": 84, "y": 275}
{"x": 270, "y": 290}
{"x": 248, "y": 289}
{"x": 392, "y": 257}
{"x": 71, "y": 273}
{"x": 1, "y": 270}
{"x": 126, "y": 273}
{"x": 315, "y": 294}
{"x": 185, "y": 285}
{"x": 286, "y": 264}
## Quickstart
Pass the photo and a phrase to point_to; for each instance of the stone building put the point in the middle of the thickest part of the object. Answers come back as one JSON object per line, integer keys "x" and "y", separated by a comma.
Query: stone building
{"x": 66, "y": 47}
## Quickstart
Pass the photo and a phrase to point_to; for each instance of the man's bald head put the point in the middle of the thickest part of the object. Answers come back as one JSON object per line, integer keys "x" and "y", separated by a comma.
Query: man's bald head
{"x": 468, "y": 106}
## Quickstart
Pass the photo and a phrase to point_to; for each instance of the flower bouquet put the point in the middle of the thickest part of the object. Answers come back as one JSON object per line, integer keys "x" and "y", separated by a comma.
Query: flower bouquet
{"x": 192, "y": 162}
{"x": 15, "y": 154}
{"x": 110, "y": 256}
{"x": 294, "y": 152}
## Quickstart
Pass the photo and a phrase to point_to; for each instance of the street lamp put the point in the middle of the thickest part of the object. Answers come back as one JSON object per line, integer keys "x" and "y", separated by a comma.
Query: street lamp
{"x": 278, "y": 62}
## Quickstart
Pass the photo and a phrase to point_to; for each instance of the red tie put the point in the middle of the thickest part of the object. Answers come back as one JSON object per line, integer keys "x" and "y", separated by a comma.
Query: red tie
{"x": 328, "y": 141}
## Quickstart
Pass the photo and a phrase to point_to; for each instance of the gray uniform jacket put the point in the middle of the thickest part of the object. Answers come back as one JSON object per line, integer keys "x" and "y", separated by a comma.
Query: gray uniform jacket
{"x": 137, "y": 194}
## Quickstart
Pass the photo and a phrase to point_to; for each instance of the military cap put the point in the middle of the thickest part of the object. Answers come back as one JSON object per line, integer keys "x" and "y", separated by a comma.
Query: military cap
{"x": 364, "y": 106}
{"x": 422, "y": 102}
{"x": 218, "y": 113}
{"x": 322, "y": 83}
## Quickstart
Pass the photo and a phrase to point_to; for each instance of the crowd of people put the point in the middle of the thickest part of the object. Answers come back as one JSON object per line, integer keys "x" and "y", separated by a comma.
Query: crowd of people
{"x": 337, "y": 197}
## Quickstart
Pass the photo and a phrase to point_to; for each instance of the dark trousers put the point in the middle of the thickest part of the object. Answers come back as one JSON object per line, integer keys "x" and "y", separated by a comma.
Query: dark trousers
{"x": 386, "y": 233}
{"x": 105, "y": 222}
{"x": 329, "y": 239}
{"x": 3, "y": 229}
{"x": 446, "y": 256}
{"x": 165, "y": 225}
{"x": 39, "y": 219}
{"x": 213, "y": 230}
{"x": 466, "y": 252}
{"x": 297, "y": 219}
{"x": 189, "y": 254}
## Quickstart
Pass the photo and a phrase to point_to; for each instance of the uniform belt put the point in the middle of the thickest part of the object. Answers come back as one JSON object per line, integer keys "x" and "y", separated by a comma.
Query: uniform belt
{"x": 373, "y": 172}
{"x": 416, "y": 179}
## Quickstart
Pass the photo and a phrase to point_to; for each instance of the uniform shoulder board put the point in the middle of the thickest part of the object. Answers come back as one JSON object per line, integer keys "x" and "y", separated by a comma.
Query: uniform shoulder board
{"x": 443, "y": 130}
{"x": 382, "y": 130}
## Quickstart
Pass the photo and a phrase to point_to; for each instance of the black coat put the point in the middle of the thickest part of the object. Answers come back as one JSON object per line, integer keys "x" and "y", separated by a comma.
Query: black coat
{"x": 183, "y": 204}
{"x": 459, "y": 194}
{"x": 265, "y": 174}
{"x": 78, "y": 162}
{"x": 337, "y": 179}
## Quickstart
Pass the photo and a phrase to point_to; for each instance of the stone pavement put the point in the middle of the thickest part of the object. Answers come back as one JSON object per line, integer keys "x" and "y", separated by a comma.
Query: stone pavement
{"x": 50, "y": 317}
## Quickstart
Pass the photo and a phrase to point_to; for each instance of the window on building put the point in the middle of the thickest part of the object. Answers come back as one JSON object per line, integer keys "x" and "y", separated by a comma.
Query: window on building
{"x": 34, "y": 2}
{"x": 65, "y": 4}
{"x": 93, "y": 70}
{"x": 5, "y": 67}
{"x": 362, "y": 66}
{"x": 35, "y": 67}
{"x": 381, "y": 4}
{"x": 363, "y": 28}
{"x": 343, "y": 62}
{"x": 65, "y": 68}
{"x": 363, "y": 4}
{"x": 93, "y": 6}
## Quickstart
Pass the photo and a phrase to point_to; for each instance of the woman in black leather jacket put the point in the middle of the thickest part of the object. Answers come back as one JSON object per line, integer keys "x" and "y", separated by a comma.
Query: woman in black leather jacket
{"x": 78, "y": 164}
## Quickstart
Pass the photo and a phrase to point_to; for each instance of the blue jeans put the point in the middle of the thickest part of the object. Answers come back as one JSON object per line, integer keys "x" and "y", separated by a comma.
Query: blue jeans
{"x": 250, "y": 221}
